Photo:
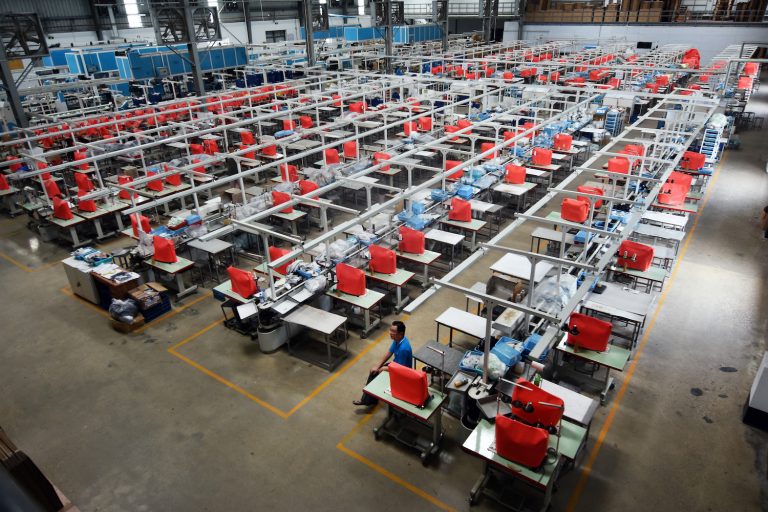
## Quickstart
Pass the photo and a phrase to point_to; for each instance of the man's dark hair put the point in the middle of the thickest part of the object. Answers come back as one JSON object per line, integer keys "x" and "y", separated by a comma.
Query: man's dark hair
{"x": 400, "y": 326}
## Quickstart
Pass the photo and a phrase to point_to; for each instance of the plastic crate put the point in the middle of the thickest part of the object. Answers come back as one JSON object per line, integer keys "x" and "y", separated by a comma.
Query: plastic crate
{"x": 158, "y": 310}
{"x": 465, "y": 365}
{"x": 505, "y": 350}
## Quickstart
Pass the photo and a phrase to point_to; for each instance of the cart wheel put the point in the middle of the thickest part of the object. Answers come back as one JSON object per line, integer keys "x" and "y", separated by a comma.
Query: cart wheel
{"x": 424, "y": 459}
{"x": 472, "y": 500}
{"x": 612, "y": 386}
{"x": 376, "y": 434}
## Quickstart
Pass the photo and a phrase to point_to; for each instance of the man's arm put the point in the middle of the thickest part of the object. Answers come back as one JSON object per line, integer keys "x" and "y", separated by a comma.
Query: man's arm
{"x": 384, "y": 359}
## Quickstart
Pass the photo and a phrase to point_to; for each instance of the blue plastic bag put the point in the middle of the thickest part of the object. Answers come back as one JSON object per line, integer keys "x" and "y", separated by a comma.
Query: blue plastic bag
{"x": 465, "y": 192}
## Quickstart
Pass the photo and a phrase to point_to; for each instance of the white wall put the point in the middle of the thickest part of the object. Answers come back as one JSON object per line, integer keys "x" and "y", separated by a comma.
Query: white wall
{"x": 708, "y": 40}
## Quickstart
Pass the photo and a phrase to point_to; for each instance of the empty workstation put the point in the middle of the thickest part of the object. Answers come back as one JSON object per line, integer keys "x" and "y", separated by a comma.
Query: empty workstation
{"x": 362, "y": 255}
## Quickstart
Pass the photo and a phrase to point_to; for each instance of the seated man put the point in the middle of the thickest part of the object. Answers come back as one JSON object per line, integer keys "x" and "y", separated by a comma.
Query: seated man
{"x": 400, "y": 349}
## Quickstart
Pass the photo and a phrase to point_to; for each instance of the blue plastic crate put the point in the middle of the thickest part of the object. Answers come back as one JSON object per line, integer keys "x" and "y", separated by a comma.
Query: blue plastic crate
{"x": 506, "y": 352}
{"x": 464, "y": 365}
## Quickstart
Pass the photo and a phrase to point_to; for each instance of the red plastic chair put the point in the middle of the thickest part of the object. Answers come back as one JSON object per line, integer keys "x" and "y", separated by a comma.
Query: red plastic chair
{"x": 460, "y": 211}
{"x": 274, "y": 254}
{"x": 289, "y": 172}
{"x": 618, "y": 164}
{"x": 306, "y": 186}
{"x": 165, "y": 250}
{"x": 242, "y": 282}
{"x": 425, "y": 124}
{"x": 85, "y": 205}
{"x": 83, "y": 182}
{"x": 487, "y": 146}
{"x": 515, "y": 174}
{"x": 350, "y": 149}
{"x": 591, "y": 190}
{"x": 289, "y": 124}
{"x": 450, "y": 164}
{"x": 350, "y": 280}
{"x": 636, "y": 256}
{"x": 379, "y": 157}
{"x": 383, "y": 260}
{"x": 306, "y": 122}
{"x": 138, "y": 219}
{"x": 51, "y": 188}
{"x": 61, "y": 209}
{"x": 331, "y": 156}
{"x": 574, "y": 210}
{"x": 520, "y": 443}
{"x": 541, "y": 156}
{"x": 411, "y": 241}
{"x": 211, "y": 147}
{"x": 280, "y": 198}
{"x": 588, "y": 332}
{"x": 536, "y": 406}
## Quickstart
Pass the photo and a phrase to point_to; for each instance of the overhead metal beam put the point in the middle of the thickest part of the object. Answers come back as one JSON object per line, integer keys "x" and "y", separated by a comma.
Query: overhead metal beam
{"x": 12, "y": 92}
{"x": 247, "y": 14}
{"x": 96, "y": 20}
{"x": 308, "y": 36}
{"x": 197, "y": 73}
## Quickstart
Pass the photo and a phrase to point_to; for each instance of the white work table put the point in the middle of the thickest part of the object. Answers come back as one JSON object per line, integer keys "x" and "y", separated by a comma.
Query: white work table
{"x": 519, "y": 267}
{"x": 323, "y": 322}
{"x": 669, "y": 219}
{"x": 459, "y": 320}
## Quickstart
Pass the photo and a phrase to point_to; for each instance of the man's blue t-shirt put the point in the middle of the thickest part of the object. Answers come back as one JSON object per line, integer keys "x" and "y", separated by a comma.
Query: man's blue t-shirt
{"x": 402, "y": 351}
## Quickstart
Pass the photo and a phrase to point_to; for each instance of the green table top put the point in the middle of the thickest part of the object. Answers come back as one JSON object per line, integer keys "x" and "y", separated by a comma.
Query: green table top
{"x": 65, "y": 223}
{"x": 473, "y": 225}
{"x": 685, "y": 207}
{"x": 114, "y": 207}
{"x": 653, "y": 273}
{"x": 180, "y": 265}
{"x": 514, "y": 188}
{"x": 427, "y": 258}
{"x": 100, "y": 212}
{"x": 614, "y": 357}
{"x": 294, "y": 215}
{"x": 8, "y": 191}
{"x": 367, "y": 301}
{"x": 225, "y": 289}
{"x": 483, "y": 437}
{"x": 399, "y": 278}
{"x": 379, "y": 387}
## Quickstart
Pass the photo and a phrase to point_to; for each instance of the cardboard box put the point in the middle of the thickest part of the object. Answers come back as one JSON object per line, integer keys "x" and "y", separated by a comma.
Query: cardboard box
{"x": 138, "y": 322}
{"x": 147, "y": 295}
{"x": 232, "y": 195}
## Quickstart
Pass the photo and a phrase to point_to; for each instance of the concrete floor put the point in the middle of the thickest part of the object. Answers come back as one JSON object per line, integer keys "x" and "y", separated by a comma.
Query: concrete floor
{"x": 187, "y": 415}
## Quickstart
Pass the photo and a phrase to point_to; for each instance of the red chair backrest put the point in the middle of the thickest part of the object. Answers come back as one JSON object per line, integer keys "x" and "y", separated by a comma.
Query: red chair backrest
{"x": 408, "y": 384}
{"x": 635, "y": 256}
{"x": 336, "y": 97}
{"x": 487, "y": 146}
{"x": 541, "y": 156}
{"x": 173, "y": 179}
{"x": 350, "y": 280}
{"x": 196, "y": 149}
{"x": 450, "y": 164}
{"x": 509, "y": 135}
{"x": 165, "y": 250}
{"x": 270, "y": 150}
{"x": 460, "y": 210}
{"x": 156, "y": 185}
{"x": 83, "y": 182}
{"x": 248, "y": 154}
{"x": 247, "y": 138}
{"x": 289, "y": 172}
{"x": 51, "y": 188}
{"x": 242, "y": 282}
{"x": 508, "y": 75}
{"x": 379, "y": 157}
{"x": 464, "y": 123}
{"x": 357, "y": 106}
{"x": 350, "y": 149}
{"x": 211, "y": 147}
{"x": 411, "y": 241}
{"x": 672, "y": 194}
{"x": 137, "y": 219}
{"x": 409, "y": 127}
{"x": 124, "y": 180}
{"x": 591, "y": 190}
{"x": 618, "y": 164}
{"x": 515, "y": 174}
{"x": 693, "y": 161}
{"x": 574, "y": 210}
{"x": 520, "y": 443}
{"x": 80, "y": 155}
{"x": 563, "y": 141}
{"x": 452, "y": 129}
{"x": 86, "y": 205}
{"x": 543, "y": 415}
{"x": 425, "y": 124}
{"x": 591, "y": 333}
{"x": 61, "y": 209}
{"x": 280, "y": 198}
{"x": 306, "y": 122}
{"x": 383, "y": 260}
{"x": 289, "y": 124}
{"x": 275, "y": 253}
{"x": 681, "y": 178}
{"x": 331, "y": 156}
{"x": 635, "y": 149}
{"x": 4, "y": 182}
{"x": 306, "y": 186}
